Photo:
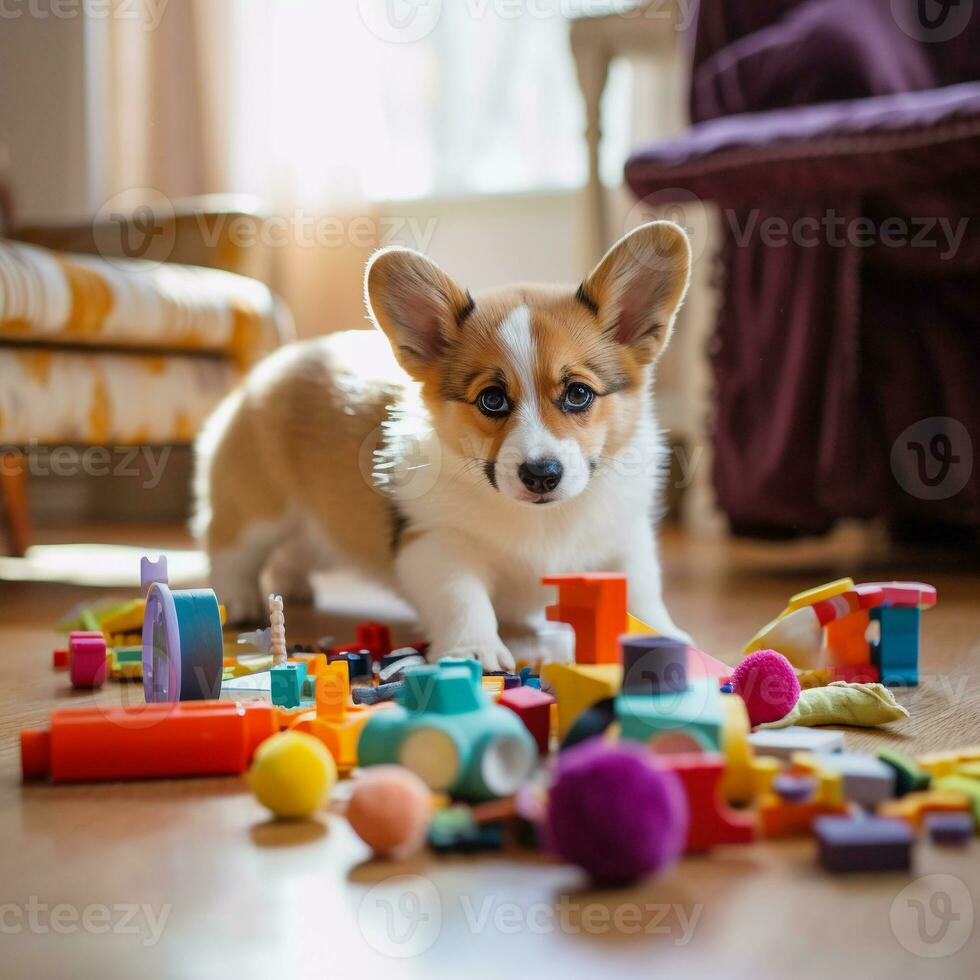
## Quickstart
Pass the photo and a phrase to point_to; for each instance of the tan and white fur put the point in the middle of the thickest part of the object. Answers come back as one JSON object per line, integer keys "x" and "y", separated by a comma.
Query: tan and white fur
{"x": 448, "y": 454}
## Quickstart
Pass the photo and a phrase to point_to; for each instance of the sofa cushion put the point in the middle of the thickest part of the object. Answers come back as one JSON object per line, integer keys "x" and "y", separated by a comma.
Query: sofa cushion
{"x": 63, "y": 298}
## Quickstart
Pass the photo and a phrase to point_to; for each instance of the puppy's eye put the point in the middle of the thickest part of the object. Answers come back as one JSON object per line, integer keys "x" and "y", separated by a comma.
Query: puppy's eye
{"x": 577, "y": 398}
{"x": 493, "y": 402}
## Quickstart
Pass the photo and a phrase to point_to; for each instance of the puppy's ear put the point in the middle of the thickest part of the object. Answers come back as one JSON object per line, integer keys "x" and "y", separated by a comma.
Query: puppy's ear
{"x": 416, "y": 304}
{"x": 639, "y": 285}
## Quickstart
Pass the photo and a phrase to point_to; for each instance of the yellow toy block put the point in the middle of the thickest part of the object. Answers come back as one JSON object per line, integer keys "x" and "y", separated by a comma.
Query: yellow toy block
{"x": 817, "y": 594}
{"x": 765, "y": 768}
{"x": 125, "y": 620}
{"x": 634, "y": 626}
{"x": 830, "y": 782}
{"x": 494, "y": 686}
{"x": 964, "y": 785}
{"x": 579, "y": 686}
{"x": 946, "y": 763}
{"x": 737, "y": 785}
{"x": 914, "y": 806}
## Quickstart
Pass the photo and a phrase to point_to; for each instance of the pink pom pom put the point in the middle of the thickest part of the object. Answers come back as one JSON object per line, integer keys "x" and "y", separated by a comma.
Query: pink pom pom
{"x": 766, "y": 682}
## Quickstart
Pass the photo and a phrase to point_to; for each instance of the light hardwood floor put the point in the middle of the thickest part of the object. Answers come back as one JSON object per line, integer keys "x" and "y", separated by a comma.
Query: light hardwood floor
{"x": 197, "y": 882}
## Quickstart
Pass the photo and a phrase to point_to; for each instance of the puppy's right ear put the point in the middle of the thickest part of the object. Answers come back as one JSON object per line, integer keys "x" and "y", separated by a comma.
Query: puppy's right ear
{"x": 416, "y": 304}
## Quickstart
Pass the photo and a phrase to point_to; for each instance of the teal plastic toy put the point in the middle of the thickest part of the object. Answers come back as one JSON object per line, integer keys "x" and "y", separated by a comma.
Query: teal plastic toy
{"x": 447, "y": 729}
{"x": 695, "y": 712}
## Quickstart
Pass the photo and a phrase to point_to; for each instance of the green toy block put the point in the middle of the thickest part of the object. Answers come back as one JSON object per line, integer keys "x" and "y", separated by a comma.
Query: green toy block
{"x": 287, "y": 684}
{"x": 909, "y": 778}
{"x": 696, "y": 712}
{"x": 129, "y": 655}
{"x": 448, "y": 731}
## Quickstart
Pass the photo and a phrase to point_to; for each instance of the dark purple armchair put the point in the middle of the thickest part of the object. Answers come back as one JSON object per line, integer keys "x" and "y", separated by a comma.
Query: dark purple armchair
{"x": 841, "y": 141}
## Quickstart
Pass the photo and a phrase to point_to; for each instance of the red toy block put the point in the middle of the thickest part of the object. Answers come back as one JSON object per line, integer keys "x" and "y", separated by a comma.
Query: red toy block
{"x": 373, "y": 637}
{"x": 60, "y": 659}
{"x": 712, "y": 821}
{"x": 147, "y": 741}
{"x": 594, "y": 604}
{"x": 87, "y": 659}
{"x": 533, "y": 707}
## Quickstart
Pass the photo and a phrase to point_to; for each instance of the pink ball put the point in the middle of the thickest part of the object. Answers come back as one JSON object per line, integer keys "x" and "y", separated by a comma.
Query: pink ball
{"x": 389, "y": 810}
{"x": 766, "y": 682}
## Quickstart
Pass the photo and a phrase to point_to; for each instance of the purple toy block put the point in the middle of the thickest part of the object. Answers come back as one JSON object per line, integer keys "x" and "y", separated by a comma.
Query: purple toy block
{"x": 87, "y": 659}
{"x": 864, "y": 844}
{"x": 954, "y": 828}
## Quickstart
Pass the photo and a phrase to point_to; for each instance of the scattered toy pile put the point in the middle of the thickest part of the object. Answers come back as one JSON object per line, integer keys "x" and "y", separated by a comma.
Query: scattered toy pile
{"x": 655, "y": 752}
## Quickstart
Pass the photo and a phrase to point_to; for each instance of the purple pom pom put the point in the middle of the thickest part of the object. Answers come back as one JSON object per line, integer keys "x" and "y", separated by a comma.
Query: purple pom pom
{"x": 616, "y": 811}
{"x": 766, "y": 682}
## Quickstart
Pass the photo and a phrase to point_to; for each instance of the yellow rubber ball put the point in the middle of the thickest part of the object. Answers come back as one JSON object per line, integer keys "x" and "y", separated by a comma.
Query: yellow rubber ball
{"x": 292, "y": 774}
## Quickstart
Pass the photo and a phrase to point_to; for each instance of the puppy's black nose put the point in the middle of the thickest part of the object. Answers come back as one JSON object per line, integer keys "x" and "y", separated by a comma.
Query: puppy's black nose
{"x": 540, "y": 475}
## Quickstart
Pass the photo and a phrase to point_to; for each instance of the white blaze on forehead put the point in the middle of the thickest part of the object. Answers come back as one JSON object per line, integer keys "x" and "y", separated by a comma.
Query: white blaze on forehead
{"x": 515, "y": 335}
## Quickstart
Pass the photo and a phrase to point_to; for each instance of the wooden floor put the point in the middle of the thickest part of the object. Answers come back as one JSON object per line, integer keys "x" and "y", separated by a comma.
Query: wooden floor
{"x": 188, "y": 878}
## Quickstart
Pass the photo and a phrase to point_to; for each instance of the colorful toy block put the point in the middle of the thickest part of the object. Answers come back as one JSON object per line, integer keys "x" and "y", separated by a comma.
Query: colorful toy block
{"x": 867, "y": 780}
{"x": 358, "y": 663}
{"x": 783, "y": 742}
{"x": 782, "y": 818}
{"x": 738, "y": 784}
{"x": 653, "y": 665}
{"x": 695, "y": 712}
{"x": 287, "y": 684}
{"x": 712, "y": 822}
{"x": 863, "y": 844}
{"x": 533, "y": 707}
{"x": 149, "y": 741}
{"x": 579, "y": 686}
{"x": 950, "y": 829}
{"x": 60, "y": 659}
{"x": 896, "y": 652}
{"x": 947, "y": 762}
{"x": 594, "y": 604}
{"x": 970, "y": 788}
{"x": 336, "y": 721}
{"x": 447, "y": 730}
{"x": 909, "y": 778}
{"x": 914, "y": 807}
{"x": 87, "y": 659}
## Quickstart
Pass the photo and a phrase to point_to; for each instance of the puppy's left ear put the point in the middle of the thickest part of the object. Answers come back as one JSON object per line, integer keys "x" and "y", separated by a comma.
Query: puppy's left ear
{"x": 639, "y": 285}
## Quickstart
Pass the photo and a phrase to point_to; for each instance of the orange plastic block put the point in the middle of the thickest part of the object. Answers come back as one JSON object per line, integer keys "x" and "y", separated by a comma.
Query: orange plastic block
{"x": 594, "y": 604}
{"x": 151, "y": 741}
{"x": 337, "y": 721}
{"x": 712, "y": 822}
{"x": 316, "y": 663}
{"x": 845, "y": 642}
{"x": 779, "y": 818}
{"x": 914, "y": 806}
{"x": 494, "y": 686}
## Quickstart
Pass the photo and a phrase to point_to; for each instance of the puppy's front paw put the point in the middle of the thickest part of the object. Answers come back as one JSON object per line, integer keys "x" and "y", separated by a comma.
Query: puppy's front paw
{"x": 491, "y": 653}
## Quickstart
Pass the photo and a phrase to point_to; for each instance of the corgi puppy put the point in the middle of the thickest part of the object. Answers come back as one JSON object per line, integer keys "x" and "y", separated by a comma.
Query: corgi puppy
{"x": 465, "y": 449}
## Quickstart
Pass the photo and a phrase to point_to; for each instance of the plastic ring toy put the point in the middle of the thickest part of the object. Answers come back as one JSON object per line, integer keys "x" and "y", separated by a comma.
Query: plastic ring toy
{"x": 183, "y": 648}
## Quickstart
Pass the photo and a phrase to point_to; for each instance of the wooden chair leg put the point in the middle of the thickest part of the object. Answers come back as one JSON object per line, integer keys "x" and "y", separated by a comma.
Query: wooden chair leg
{"x": 15, "y": 510}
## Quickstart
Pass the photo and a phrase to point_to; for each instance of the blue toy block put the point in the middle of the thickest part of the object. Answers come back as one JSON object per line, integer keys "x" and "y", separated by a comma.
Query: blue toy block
{"x": 696, "y": 712}
{"x": 287, "y": 684}
{"x": 896, "y": 652}
{"x": 448, "y": 730}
